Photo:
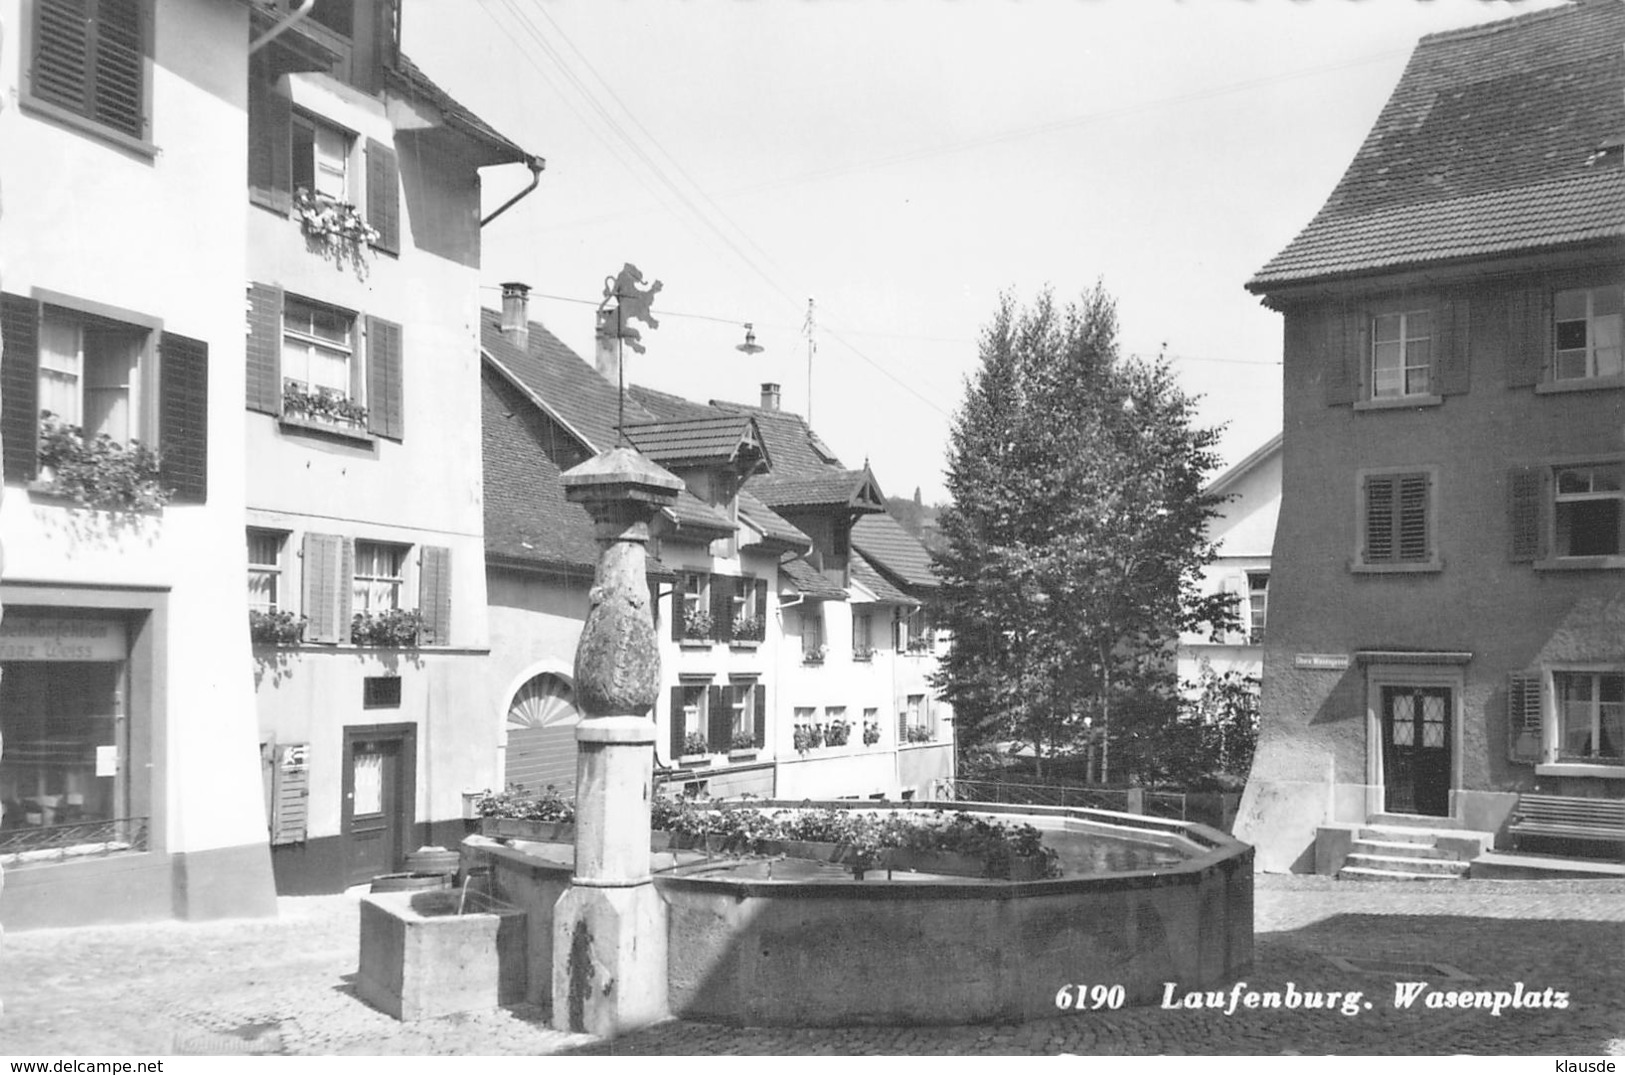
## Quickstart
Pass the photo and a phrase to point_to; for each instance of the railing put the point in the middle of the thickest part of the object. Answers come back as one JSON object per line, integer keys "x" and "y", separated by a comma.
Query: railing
{"x": 80, "y": 839}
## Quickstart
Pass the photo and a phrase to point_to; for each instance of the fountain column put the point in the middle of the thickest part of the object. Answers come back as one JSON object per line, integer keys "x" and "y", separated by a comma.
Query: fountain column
{"x": 609, "y": 927}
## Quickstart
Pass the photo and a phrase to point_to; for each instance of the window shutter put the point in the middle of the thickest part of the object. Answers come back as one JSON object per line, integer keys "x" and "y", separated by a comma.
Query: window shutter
{"x": 722, "y": 607}
{"x": 902, "y": 725}
{"x": 1413, "y": 517}
{"x": 761, "y": 605}
{"x": 290, "y": 794}
{"x": 1526, "y": 493}
{"x": 89, "y": 57}
{"x": 1529, "y": 337}
{"x": 1524, "y": 712}
{"x": 1341, "y": 355}
{"x": 759, "y": 697}
{"x": 270, "y": 140}
{"x": 19, "y": 387}
{"x": 264, "y": 348}
{"x": 677, "y": 616}
{"x": 383, "y": 196}
{"x": 385, "y": 416}
{"x": 321, "y": 558}
{"x": 1452, "y": 362}
{"x": 719, "y": 719}
{"x": 1379, "y": 519}
{"x": 434, "y": 594}
{"x": 183, "y": 417}
{"x": 345, "y": 585}
{"x": 678, "y": 732}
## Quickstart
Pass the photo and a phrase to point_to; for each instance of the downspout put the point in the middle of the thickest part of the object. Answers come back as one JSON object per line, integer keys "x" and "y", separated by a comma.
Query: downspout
{"x": 276, "y": 31}
{"x": 536, "y": 165}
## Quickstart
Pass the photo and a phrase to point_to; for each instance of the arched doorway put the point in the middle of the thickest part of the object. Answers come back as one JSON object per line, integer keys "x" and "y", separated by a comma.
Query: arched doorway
{"x": 541, "y": 727}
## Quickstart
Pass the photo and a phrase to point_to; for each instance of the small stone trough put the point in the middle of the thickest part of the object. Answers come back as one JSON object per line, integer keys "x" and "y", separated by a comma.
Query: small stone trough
{"x": 440, "y": 951}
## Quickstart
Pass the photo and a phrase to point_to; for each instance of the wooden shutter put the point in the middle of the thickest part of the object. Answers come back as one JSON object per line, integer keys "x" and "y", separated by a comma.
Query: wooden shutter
{"x": 326, "y": 593}
{"x": 89, "y": 57}
{"x": 270, "y": 140}
{"x": 1412, "y": 519}
{"x": 264, "y": 350}
{"x": 761, "y": 605}
{"x": 1524, "y": 717}
{"x": 722, "y": 607}
{"x": 434, "y": 594}
{"x": 1526, "y": 495}
{"x": 1342, "y": 355}
{"x": 183, "y": 417}
{"x": 290, "y": 793}
{"x": 1529, "y": 337}
{"x": 678, "y": 732}
{"x": 677, "y": 616}
{"x": 383, "y": 196}
{"x": 1452, "y": 363}
{"x": 385, "y": 416}
{"x": 1379, "y": 519}
{"x": 719, "y": 719}
{"x": 345, "y": 585}
{"x": 759, "y": 698}
{"x": 19, "y": 387}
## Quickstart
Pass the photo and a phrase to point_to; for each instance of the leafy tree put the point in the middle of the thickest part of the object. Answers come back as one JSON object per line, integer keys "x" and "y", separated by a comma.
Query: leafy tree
{"x": 1077, "y": 532}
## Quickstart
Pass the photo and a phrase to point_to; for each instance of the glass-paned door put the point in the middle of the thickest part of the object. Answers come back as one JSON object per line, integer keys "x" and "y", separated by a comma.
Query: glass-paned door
{"x": 1416, "y": 728}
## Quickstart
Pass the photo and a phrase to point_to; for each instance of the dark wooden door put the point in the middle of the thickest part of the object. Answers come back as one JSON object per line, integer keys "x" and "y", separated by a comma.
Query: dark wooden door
{"x": 1416, "y": 750}
{"x": 378, "y": 796}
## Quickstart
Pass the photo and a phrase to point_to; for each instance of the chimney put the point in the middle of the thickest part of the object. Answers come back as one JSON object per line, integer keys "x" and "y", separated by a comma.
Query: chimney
{"x": 609, "y": 351}
{"x": 516, "y": 314}
{"x": 770, "y": 396}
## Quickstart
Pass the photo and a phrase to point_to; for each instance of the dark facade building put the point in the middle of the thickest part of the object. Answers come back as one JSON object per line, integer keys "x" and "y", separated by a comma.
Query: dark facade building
{"x": 1447, "y": 603}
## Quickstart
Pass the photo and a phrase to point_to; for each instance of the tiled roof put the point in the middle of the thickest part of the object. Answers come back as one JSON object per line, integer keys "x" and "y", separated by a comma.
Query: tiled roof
{"x": 717, "y": 439}
{"x": 696, "y": 518}
{"x": 772, "y": 525}
{"x": 526, "y": 515}
{"x": 830, "y": 488}
{"x": 795, "y": 448}
{"x": 1488, "y": 145}
{"x": 406, "y": 76}
{"x": 865, "y": 575}
{"x": 896, "y": 552}
{"x": 663, "y": 406}
{"x": 810, "y": 581}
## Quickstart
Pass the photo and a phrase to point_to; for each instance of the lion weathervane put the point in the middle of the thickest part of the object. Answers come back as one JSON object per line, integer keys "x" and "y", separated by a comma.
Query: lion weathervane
{"x": 632, "y": 301}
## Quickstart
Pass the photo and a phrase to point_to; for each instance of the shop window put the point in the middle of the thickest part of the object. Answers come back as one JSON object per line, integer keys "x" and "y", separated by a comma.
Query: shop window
{"x": 265, "y": 569}
{"x": 64, "y": 776}
{"x": 87, "y": 63}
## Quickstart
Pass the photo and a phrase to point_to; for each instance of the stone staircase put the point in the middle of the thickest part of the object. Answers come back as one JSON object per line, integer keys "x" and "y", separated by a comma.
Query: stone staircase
{"x": 1401, "y": 853}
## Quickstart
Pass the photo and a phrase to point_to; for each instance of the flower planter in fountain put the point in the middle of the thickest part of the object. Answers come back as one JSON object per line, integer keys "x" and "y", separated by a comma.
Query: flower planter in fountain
{"x": 421, "y": 958}
{"x": 517, "y": 828}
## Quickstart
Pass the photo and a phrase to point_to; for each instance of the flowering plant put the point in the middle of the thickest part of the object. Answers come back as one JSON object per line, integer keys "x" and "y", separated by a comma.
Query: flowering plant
{"x": 814, "y": 654}
{"x": 277, "y": 627}
{"x": 695, "y": 743}
{"x": 742, "y": 741}
{"x": 396, "y": 628}
{"x": 808, "y": 736}
{"x": 871, "y": 732}
{"x": 328, "y": 220}
{"x": 697, "y": 623}
{"x": 747, "y": 628}
{"x": 99, "y": 473}
{"x": 516, "y": 802}
{"x": 918, "y": 733}
{"x": 863, "y": 653}
{"x": 838, "y": 732}
{"x": 324, "y": 403}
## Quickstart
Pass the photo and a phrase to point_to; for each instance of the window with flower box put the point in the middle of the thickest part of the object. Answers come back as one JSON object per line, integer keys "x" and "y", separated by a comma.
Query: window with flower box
{"x": 1568, "y": 721}
{"x": 265, "y": 569}
{"x": 321, "y": 367}
{"x": 74, "y": 371}
{"x": 690, "y": 711}
{"x": 692, "y": 620}
{"x": 379, "y": 575}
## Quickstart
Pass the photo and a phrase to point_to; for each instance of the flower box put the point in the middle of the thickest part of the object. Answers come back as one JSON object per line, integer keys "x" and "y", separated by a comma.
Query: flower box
{"x": 692, "y": 761}
{"x": 515, "y": 828}
{"x": 742, "y": 755}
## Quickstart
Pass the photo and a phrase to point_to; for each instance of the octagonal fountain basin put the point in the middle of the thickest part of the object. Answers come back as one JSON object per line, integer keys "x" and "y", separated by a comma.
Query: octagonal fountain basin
{"x": 788, "y": 941}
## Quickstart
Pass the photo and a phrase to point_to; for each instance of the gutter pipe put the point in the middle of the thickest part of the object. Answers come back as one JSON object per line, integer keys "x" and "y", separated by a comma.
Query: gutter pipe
{"x": 536, "y": 165}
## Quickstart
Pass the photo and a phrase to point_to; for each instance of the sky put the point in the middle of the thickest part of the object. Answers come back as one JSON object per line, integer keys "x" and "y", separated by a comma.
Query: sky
{"x": 902, "y": 164}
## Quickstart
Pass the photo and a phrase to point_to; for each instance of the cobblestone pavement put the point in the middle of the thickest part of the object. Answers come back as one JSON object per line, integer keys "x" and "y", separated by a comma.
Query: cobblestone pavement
{"x": 286, "y": 986}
